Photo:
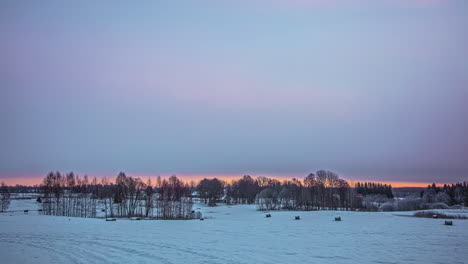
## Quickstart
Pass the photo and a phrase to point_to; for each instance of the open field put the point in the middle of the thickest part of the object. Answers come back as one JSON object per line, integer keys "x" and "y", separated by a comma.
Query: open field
{"x": 232, "y": 234}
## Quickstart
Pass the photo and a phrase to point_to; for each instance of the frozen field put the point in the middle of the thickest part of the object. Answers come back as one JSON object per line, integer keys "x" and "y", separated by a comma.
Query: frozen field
{"x": 237, "y": 234}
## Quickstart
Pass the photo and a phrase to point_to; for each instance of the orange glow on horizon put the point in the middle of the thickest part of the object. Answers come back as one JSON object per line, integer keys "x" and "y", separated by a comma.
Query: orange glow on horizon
{"x": 36, "y": 180}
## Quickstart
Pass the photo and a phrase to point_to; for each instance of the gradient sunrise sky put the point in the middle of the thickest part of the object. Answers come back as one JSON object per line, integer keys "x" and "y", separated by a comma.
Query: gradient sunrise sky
{"x": 373, "y": 90}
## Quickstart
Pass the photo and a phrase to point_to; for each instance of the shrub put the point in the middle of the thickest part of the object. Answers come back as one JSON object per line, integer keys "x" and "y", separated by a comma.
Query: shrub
{"x": 438, "y": 206}
{"x": 387, "y": 207}
{"x": 433, "y": 214}
{"x": 411, "y": 204}
{"x": 198, "y": 215}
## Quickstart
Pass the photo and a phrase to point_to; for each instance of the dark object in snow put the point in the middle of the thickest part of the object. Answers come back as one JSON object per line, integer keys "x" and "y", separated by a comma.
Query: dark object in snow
{"x": 448, "y": 222}
{"x": 135, "y": 218}
{"x": 338, "y": 218}
{"x": 297, "y": 218}
{"x": 39, "y": 200}
{"x": 111, "y": 219}
{"x": 40, "y": 210}
{"x": 103, "y": 210}
{"x": 268, "y": 215}
{"x": 26, "y": 211}
{"x": 435, "y": 216}
{"x": 201, "y": 219}
{"x": 193, "y": 211}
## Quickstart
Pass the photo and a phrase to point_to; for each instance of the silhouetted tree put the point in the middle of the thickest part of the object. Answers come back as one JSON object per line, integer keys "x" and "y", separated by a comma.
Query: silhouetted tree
{"x": 450, "y": 194}
{"x": 210, "y": 190}
{"x": 5, "y": 197}
{"x": 322, "y": 190}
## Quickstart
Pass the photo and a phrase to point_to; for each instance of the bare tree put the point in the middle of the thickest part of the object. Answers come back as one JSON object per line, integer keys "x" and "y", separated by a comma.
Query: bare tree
{"x": 319, "y": 191}
{"x": 211, "y": 190}
{"x": 5, "y": 197}
{"x": 149, "y": 192}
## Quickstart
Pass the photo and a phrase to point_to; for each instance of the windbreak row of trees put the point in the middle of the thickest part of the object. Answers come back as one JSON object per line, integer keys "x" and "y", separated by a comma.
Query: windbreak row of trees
{"x": 372, "y": 188}
{"x": 319, "y": 191}
{"x": 323, "y": 190}
{"x": 71, "y": 195}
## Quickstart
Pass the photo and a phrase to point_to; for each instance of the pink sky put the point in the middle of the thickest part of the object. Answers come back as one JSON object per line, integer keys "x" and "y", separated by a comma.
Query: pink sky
{"x": 365, "y": 88}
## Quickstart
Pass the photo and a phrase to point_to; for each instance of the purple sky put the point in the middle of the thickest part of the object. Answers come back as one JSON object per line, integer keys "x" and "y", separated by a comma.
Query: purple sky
{"x": 370, "y": 89}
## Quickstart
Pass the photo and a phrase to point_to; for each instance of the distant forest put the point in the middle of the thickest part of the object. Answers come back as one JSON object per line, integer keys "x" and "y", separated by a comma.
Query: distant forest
{"x": 72, "y": 195}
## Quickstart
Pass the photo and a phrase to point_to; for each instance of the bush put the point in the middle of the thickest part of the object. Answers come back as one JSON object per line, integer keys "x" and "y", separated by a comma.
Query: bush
{"x": 387, "y": 207}
{"x": 198, "y": 215}
{"x": 411, "y": 204}
{"x": 432, "y": 214}
{"x": 438, "y": 206}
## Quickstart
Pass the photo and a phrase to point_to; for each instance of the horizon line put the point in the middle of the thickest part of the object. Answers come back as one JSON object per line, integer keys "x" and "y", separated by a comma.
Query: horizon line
{"x": 31, "y": 180}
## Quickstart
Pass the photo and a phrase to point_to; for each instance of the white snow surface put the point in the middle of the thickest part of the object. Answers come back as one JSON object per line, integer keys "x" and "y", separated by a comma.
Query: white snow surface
{"x": 232, "y": 234}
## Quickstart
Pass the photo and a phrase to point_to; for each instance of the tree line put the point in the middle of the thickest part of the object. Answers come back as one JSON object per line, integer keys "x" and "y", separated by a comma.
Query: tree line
{"x": 71, "y": 195}
{"x": 450, "y": 194}
{"x": 318, "y": 191}
{"x": 432, "y": 197}
{"x": 322, "y": 190}
{"x": 366, "y": 188}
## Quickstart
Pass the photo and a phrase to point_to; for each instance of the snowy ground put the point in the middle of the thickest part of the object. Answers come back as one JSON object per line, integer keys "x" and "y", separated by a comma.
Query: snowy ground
{"x": 237, "y": 234}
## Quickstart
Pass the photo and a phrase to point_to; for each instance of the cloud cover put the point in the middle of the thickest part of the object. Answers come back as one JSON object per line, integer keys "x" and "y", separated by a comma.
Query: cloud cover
{"x": 374, "y": 90}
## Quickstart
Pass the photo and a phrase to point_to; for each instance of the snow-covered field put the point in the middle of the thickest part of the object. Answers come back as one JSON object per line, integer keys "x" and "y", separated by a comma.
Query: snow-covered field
{"x": 236, "y": 234}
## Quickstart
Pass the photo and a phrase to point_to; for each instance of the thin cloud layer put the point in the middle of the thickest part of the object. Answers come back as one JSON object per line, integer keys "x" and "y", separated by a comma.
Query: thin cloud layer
{"x": 216, "y": 87}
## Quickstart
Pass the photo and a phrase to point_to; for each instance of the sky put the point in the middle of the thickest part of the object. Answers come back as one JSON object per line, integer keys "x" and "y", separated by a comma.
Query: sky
{"x": 373, "y": 90}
